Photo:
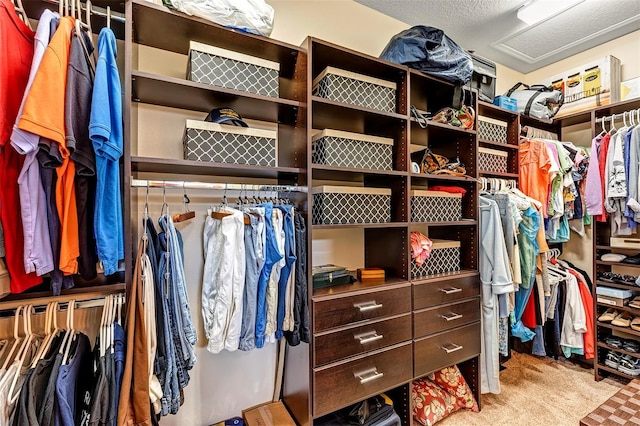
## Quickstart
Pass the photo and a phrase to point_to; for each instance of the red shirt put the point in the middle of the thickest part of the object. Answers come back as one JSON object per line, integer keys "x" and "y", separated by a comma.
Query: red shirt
{"x": 16, "y": 54}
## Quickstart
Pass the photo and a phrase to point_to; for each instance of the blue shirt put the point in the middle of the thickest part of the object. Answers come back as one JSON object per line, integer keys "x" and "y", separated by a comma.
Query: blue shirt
{"x": 105, "y": 130}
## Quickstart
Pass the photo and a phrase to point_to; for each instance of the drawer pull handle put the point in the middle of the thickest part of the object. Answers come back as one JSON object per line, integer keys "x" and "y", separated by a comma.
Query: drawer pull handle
{"x": 368, "y": 375}
{"x": 452, "y": 348}
{"x": 367, "y": 306}
{"x": 631, "y": 241}
{"x": 451, "y": 290}
{"x": 451, "y": 316}
{"x": 368, "y": 337}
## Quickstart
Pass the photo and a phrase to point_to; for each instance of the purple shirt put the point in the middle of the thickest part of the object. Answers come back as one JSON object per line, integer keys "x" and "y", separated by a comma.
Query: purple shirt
{"x": 38, "y": 256}
{"x": 593, "y": 187}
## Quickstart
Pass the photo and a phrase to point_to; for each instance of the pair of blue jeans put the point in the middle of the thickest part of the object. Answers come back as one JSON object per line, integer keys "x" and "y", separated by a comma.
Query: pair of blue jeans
{"x": 272, "y": 256}
{"x": 290, "y": 258}
{"x": 254, "y": 265}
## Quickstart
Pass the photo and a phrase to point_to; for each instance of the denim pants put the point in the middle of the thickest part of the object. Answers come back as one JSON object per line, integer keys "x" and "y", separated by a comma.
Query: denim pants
{"x": 289, "y": 258}
{"x": 272, "y": 256}
{"x": 223, "y": 280}
{"x": 254, "y": 256}
{"x": 274, "y": 279}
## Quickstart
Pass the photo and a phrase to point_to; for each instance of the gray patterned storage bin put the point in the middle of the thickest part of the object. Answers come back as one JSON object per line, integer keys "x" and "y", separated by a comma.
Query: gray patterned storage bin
{"x": 216, "y": 143}
{"x": 348, "y": 204}
{"x": 357, "y": 89}
{"x": 233, "y": 70}
{"x": 444, "y": 260}
{"x": 435, "y": 206}
{"x": 492, "y": 160}
{"x": 344, "y": 149}
{"x": 492, "y": 130}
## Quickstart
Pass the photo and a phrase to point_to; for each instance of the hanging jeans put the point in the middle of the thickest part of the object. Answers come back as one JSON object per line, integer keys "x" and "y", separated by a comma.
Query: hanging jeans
{"x": 223, "y": 280}
{"x": 300, "y": 330}
{"x": 254, "y": 237}
{"x": 272, "y": 256}
{"x": 274, "y": 279}
{"x": 285, "y": 273}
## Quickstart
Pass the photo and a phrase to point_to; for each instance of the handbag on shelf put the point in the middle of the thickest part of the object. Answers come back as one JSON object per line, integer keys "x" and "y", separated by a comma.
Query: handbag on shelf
{"x": 542, "y": 102}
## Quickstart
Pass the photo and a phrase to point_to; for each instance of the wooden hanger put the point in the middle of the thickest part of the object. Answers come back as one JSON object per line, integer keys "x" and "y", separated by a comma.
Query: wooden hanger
{"x": 187, "y": 214}
{"x": 221, "y": 215}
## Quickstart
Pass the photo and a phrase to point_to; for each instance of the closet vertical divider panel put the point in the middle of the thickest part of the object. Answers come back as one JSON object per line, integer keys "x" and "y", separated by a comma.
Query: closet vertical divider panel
{"x": 446, "y": 306}
{"x": 341, "y": 366}
{"x": 602, "y": 243}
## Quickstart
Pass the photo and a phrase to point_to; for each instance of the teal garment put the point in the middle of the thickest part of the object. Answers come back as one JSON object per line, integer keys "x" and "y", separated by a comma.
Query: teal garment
{"x": 567, "y": 351}
{"x": 562, "y": 236}
{"x": 528, "y": 244}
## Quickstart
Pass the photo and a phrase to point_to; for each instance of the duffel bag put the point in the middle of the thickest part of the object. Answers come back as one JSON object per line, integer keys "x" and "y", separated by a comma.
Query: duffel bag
{"x": 537, "y": 101}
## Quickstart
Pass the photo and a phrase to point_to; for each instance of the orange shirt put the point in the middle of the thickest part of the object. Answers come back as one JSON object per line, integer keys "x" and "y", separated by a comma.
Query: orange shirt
{"x": 534, "y": 171}
{"x": 44, "y": 116}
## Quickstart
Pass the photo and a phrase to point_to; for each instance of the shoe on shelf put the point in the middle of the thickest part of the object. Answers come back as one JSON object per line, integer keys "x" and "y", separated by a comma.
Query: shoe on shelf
{"x": 635, "y": 303}
{"x": 614, "y": 342}
{"x": 633, "y": 260}
{"x": 631, "y": 345}
{"x": 623, "y": 319}
{"x": 613, "y": 257}
{"x": 629, "y": 365}
{"x": 609, "y": 315}
{"x": 608, "y": 277}
{"x": 613, "y": 359}
{"x": 635, "y": 323}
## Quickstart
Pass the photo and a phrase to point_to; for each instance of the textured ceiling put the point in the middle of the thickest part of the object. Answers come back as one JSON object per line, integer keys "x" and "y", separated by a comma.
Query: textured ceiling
{"x": 492, "y": 29}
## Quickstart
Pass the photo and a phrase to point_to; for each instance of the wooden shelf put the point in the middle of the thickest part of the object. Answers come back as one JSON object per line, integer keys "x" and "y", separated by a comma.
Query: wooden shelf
{"x": 622, "y": 351}
{"x": 341, "y": 108}
{"x": 163, "y": 28}
{"x": 632, "y": 311}
{"x": 616, "y": 372}
{"x": 618, "y": 285}
{"x": 444, "y": 177}
{"x": 629, "y": 265}
{"x": 321, "y": 293}
{"x": 362, "y": 225}
{"x": 486, "y": 109}
{"x": 164, "y": 165}
{"x": 498, "y": 144}
{"x": 414, "y": 73}
{"x": 617, "y": 107}
{"x": 184, "y": 94}
{"x": 574, "y": 118}
{"x": 526, "y": 120}
{"x": 462, "y": 274}
{"x": 463, "y": 222}
{"x": 12, "y": 301}
{"x": 433, "y": 126}
{"x": 321, "y": 171}
{"x": 34, "y": 10}
{"x": 499, "y": 174}
{"x": 627, "y": 330}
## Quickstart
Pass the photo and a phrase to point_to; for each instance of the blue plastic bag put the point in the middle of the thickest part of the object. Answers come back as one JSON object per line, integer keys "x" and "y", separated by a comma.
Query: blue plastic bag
{"x": 430, "y": 51}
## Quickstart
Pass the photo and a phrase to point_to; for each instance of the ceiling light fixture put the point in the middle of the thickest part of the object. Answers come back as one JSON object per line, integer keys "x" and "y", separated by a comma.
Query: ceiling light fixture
{"x": 539, "y": 10}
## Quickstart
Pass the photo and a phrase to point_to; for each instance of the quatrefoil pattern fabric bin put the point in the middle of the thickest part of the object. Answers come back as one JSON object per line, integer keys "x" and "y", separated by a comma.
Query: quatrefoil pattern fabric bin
{"x": 345, "y": 149}
{"x": 223, "y": 68}
{"x": 334, "y": 205}
{"x": 492, "y": 160}
{"x": 356, "y": 89}
{"x": 435, "y": 206}
{"x": 215, "y": 143}
{"x": 492, "y": 130}
{"x": 444, "y": 260}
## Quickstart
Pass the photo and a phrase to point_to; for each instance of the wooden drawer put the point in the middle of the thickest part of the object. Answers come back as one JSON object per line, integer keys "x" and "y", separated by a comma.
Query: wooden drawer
{"x": 444, "y": 349}
{"x": 433, "y": 320}
{"x": 330, "y": 313}
{"x": 334, "y": 346}
{"x": 339, "y": 385}
{"x": 445, "y": 290}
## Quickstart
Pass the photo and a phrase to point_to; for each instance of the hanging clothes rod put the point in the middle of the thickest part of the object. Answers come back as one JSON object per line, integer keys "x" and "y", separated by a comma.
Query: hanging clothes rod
{"x": 622, "y": 115}
{"x": 141, "y": 183}
{"x": 96, "y": 10}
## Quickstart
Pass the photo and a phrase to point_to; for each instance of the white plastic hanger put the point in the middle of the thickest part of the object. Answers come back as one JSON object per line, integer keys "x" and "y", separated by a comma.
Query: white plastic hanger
{"x": 13, "y": 393}
{"x": 48, "y": 334}
{"x": 16, "y": 337}
{"x": 71, "y": 309}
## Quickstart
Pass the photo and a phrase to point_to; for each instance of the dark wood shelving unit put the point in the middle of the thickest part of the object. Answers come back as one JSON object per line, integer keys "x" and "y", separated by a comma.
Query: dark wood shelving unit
{"x": 190, "y": 95}
{"x": 362, "y": 225}
{"x": 622, "y": 351}
{"x": 441, "y": 129}
{"x": 464, "y": 273}
{"x": 463, "y": 222}
{"x": 602, "y": 243}
{"x": 444, "y": 177}
{"x": 348, "y": 174}
{"x": 79, "y": 293}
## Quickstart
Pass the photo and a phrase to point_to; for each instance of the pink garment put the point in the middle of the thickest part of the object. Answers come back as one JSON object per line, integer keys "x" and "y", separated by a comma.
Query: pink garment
{"x": 420, "y": 247}
{"x": 593, "y": 188}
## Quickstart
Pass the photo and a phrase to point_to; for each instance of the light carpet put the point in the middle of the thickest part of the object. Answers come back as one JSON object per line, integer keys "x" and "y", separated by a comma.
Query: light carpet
{"x": 538, "y": 392}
